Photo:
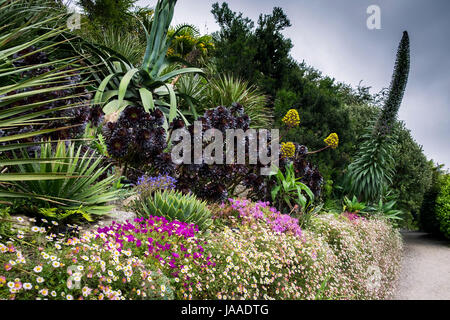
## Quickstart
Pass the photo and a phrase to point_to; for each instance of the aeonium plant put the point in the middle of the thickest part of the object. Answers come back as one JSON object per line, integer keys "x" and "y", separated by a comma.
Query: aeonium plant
{"x": 297, "y": 182}
{"x": 139, "y": 140}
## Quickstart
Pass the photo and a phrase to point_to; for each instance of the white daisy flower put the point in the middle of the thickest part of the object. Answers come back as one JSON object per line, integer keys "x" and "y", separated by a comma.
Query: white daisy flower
{"x": 37, "y": 269}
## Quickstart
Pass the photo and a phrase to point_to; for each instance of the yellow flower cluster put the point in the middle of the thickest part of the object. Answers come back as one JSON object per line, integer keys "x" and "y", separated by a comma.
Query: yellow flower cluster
{"x": 170, "y": 52}
{"x": 332, "y": 140}
{"x": 292, "y": 118}
{"x": 287, "y": 149}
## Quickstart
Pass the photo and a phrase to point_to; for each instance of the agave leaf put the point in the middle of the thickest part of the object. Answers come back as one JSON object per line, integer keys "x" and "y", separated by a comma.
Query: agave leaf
{"x": 147, "y": 99}
{"x": 98, "y": 98}
{"x": 125, "y": 82}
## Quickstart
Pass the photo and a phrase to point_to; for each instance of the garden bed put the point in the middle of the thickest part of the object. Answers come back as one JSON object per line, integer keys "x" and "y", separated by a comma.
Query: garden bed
{"x": 252, "y": 252}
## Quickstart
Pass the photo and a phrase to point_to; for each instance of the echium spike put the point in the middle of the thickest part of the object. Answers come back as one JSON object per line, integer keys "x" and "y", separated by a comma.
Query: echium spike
{"x": 396, "y": 90}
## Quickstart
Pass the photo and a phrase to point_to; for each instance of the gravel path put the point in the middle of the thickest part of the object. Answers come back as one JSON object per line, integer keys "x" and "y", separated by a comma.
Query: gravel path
{"x": 426, "y": 268}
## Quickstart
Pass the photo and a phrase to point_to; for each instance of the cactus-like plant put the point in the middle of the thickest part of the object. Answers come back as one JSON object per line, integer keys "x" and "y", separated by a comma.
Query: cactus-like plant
{"x": 372, "y": 169}
{"x": 174, "y": 205}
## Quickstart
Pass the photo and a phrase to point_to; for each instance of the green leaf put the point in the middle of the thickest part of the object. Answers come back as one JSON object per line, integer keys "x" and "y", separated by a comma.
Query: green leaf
{"x": 147, "y": 99}
{"x": 175, "y": 73}
{"x": 125, "y": 82}
{"x": 274, "y": 192}
{"x": 173, "y": 103}
{"x": 34, "y": 176}
{"x": 32, "y": 134}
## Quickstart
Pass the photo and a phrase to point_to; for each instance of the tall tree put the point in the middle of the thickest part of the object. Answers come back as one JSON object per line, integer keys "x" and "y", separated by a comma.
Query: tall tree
{"x": 234, "y": 43}
{"x": 373, "y": 168}
{"x": 108, "y": 12}
{"x": 272, "y": 50}
{"x": 259, "y": 55}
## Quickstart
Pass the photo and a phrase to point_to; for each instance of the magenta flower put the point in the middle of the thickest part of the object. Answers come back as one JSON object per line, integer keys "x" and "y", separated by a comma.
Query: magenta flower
{"x": 278, "y": 222}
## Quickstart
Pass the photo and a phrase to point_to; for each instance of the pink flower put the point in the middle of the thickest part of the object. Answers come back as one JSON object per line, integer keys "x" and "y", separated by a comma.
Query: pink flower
{"x": 17, "y": 285}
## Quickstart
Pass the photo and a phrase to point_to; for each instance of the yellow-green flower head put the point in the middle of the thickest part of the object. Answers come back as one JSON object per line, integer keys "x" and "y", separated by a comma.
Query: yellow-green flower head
{"x": 332, "y": 140}
{"x": 292, "y": 118}
{"x": 170, "y": 52}
{"x": 287, "y": 149}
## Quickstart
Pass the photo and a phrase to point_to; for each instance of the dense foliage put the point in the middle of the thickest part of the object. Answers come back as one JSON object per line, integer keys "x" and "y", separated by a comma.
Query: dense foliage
{"x": 105, "y": 13}
{"x": 412, "y": 174}
{"x": 443, "y": 207}
{"x": 79, "y": 184}
{"x": 238, "y": 42}
{"x": 64, "y": 108}
{"x": 428, "y": 219}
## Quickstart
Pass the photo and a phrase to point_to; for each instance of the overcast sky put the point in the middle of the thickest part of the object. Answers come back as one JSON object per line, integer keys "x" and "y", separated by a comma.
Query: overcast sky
{"x": 333, "y": 37}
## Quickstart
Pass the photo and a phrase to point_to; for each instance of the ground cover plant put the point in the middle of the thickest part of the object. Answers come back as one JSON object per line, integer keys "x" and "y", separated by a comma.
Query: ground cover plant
{"x": 254, "y": 252}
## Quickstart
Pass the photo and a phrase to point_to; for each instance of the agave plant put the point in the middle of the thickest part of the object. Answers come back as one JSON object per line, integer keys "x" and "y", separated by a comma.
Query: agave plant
{"x": 79, "y": 186}
{"x": 175, "y": 205}
{"x": 147, "y": 85}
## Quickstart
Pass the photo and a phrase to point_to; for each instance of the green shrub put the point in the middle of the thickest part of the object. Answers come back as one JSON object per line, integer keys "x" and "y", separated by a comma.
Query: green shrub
{"x": 443, "y": 207}
{"x": 387, "y": 209}
{"x": 428, "y": 218}
{"x": 353, "y": 205}
{"x": 79, "y": 184}
{"x": 175, "y": 205}
{"x": 412, "y": 174}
